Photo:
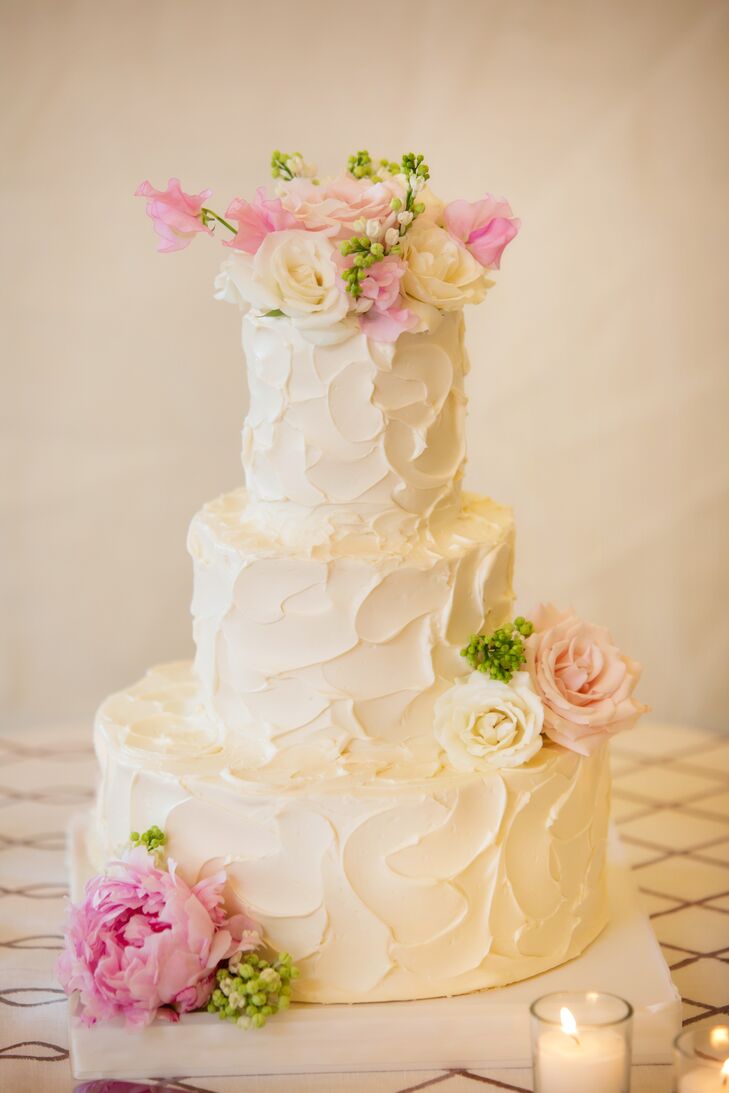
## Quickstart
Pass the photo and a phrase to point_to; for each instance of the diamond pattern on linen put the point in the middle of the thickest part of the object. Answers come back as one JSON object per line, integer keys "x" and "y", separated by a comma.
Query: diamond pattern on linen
{"x": 665, "y": 777}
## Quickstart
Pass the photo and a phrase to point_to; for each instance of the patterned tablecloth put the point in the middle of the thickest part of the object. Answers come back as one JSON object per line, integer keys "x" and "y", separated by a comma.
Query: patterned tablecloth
{"x": 671, "y": 802}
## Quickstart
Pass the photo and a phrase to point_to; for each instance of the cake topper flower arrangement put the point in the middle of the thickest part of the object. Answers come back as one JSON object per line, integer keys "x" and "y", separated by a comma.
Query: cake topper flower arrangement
{"x": 142, "y": 944}
{"x": 372, "y": 246}
{"x": 553, "y": 675}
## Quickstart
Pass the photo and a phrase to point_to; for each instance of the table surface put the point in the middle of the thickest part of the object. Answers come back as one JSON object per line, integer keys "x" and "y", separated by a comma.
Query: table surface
{"x": 671, "y": 804}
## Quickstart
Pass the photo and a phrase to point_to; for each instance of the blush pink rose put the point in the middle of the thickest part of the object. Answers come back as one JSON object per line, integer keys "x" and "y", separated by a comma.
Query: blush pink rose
{"x": 484, "y": 227}
{"x": 334, "y": 206}
{"x": 175, "y": 215}
{"x": 256, "y": 220}
{"x": 586, "y": 684}
{"x": 142, "y": 939}
{"x": 386, "y": 318}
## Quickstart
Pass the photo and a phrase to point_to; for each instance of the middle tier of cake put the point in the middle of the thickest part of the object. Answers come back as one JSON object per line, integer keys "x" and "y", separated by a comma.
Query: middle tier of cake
{"x": 333, "y": 651}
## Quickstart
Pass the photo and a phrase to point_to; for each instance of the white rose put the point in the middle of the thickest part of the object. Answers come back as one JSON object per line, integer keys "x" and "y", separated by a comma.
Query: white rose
{"x": 441, "y": 275}
{"x": 434, "y": 207}
{"x": 483, "y": 723}
{"x": 292, "y": 271}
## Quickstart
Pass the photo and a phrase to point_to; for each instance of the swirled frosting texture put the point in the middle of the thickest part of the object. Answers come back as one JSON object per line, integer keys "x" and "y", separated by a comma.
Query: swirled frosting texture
{"x": 324, "y": 652}
{"x": 354, "y": 434}
{"x": 382, "y": 888}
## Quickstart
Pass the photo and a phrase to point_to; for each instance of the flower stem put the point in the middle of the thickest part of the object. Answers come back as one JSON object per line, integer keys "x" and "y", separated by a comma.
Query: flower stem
{"x": 209, "y": 212}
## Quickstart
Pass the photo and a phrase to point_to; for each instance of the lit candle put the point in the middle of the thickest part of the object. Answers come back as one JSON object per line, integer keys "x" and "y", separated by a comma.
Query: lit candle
{"x": 573, "y": 1061}
{"x": 704, "y": 1080}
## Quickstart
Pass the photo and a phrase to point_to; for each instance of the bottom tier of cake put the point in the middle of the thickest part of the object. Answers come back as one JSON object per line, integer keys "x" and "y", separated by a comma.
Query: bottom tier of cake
{"x": 382, "y": 886}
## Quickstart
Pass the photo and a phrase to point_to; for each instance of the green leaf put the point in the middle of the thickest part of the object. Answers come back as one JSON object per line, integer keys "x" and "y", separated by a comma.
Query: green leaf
{"x": 275, "y": 314}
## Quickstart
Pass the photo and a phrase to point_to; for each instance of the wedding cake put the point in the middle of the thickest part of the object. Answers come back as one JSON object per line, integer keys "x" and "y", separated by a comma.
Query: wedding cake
{"x": 401, "y": 785}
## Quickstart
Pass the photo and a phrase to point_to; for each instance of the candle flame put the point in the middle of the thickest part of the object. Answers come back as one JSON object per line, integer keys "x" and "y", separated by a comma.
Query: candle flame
{"x": 719, "y": 1036}
{"x": 725, "y": 1072}
{"x": 569, "y": 1025}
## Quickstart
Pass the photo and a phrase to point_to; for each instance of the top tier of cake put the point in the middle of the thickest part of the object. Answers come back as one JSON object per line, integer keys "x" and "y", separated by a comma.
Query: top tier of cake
{"x": 353, "y": 437}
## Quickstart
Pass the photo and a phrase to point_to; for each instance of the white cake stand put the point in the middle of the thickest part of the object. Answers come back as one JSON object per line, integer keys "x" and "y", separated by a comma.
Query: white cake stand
{"x": 474, "y": 1031}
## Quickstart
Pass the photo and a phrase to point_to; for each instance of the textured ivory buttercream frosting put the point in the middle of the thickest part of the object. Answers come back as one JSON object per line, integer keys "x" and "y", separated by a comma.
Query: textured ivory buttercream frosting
{"x": 331, "y": 599}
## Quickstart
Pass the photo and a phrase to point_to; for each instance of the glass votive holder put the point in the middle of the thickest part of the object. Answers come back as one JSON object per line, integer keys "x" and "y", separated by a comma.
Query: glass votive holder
{"x": 581, "y": 1042}
{"x": 701, "y": 1059}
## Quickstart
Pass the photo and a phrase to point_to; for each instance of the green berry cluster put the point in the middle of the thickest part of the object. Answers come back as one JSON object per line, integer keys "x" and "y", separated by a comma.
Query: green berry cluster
{"x": 250, "y": 989}
{"x": 281, "y": 164}
{"x": 366, "y": 253}
{"x": 501, "y": 654}
{"x": 151, "y": 839}
{"x": 414, "y": 165}
{"x": 417, "y": 173}
{"x": 361, "y": 165}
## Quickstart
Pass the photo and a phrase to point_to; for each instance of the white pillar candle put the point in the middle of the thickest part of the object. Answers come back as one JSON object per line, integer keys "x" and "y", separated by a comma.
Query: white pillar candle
{"x": 591, "y": 1062}
{"x": 703, "y": 1080}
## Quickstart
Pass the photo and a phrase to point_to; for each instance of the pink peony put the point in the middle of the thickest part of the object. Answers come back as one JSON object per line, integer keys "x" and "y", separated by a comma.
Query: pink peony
{"x": 141, "y": 938}
{"x": 385, "y": 320}
{"x": 584, "y": 681}
{"x": 176, "y": 215}
{"x": 484, "y": 227}
{"x": 257, "y": 219}
{"x": 335, "y": 205}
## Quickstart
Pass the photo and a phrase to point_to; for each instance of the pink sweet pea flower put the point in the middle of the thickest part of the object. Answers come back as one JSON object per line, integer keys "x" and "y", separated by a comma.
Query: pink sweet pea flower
{"x": 485, "y": 227}
{"x": 175, "y": 215}
{"x": 385, "y": 320}
{"x": 142, "y": 939}
{"x": 586, "y": 684}
{"x": 257, "y": 219}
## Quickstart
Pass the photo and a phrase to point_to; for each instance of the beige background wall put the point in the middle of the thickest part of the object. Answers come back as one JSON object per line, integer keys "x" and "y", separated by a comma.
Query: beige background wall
{"x": 599, "y": 387}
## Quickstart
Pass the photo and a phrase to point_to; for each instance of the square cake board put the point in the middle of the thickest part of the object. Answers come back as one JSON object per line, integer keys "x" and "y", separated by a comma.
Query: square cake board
{"x": 477, "y": 1031}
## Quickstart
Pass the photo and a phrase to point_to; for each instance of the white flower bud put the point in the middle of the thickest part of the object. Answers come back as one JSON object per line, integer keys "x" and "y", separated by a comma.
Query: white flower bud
{"x": 362, "y": 305}
{"x": 359, "y": 225}
{"x": 405, "y": 218}
{"x": 372, "y": 229}
{"x": 392, "y": 235}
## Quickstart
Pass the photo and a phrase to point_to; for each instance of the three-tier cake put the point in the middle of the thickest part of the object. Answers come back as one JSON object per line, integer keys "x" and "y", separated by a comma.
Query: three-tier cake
{"x": 407, "y": 792}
